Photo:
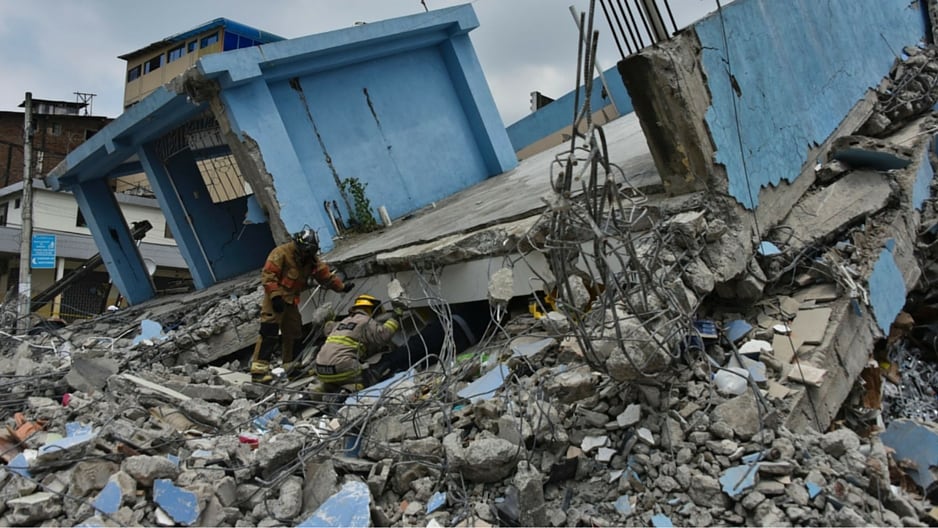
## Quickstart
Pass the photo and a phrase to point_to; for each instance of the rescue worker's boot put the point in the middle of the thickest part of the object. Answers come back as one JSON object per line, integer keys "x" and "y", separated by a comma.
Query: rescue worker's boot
{"x": 260, "y": 361}
{"x": 291, "y": 368}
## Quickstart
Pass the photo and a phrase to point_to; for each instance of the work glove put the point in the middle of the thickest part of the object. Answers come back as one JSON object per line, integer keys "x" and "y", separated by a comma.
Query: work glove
{"x": 398, "y": 311}
{"x": 348, "y": 287}
{"x": 278, "y": 304}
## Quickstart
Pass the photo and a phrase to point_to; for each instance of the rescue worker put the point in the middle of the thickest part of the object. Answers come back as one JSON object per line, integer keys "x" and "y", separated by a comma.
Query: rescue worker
{"x": 340, "y": 362}
{"x": 290, "y": 268}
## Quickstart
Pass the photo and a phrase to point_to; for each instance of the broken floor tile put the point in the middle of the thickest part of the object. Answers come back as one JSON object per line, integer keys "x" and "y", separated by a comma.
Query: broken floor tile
{"x": 531, "y": 349}
{"x": 350, "y": 506}
{"x": 738, "y": 479}
{"x": 180, "y": 504}
{"x": 374, "y": 392}
{"x": 109, "y": 499}
{"x": 592, "y": 442}
{"x": 484, "y": 387}
{"x": 63, "y": 447}
{"x": 768, "y": 249}
{"x": 436, "y": 501}
{"x": 661, "y": 521}
{"x": 813, "y": 489}
{"x": 20, "y": 464}
{"x": 737, "y": 329}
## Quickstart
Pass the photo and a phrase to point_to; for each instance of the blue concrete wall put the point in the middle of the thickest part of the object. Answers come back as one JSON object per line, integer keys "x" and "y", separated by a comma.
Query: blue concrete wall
{"x": 395, "y": 124}
{"x": 800, "y": 66}
{"x": 557, "y": 115}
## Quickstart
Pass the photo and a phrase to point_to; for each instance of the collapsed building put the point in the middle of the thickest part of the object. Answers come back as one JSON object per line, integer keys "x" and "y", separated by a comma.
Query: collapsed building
{"x": 688, "y": 310}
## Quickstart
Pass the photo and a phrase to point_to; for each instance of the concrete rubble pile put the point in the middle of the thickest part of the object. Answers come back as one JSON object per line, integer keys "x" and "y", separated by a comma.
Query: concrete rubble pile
{"x": 702, "y": 385}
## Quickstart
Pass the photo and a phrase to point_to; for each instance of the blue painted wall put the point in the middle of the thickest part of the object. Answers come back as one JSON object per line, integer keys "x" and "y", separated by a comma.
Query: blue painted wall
{"x": 557, "y": 115}
{"x": 395, "y": 124}
{"x": 800, "y": 66}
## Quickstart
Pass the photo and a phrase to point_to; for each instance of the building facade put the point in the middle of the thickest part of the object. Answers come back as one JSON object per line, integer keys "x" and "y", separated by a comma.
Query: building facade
{"x": 152, "y": 66}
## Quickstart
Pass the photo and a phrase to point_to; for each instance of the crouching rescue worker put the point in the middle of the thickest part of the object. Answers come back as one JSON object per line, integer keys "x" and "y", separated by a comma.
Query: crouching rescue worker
{"x": 290, "y": 268}
{"x": 340, "y": 361}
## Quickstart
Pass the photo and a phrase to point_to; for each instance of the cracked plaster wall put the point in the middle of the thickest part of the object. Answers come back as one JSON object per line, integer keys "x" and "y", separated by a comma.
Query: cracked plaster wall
{"x": 783, "y": 74}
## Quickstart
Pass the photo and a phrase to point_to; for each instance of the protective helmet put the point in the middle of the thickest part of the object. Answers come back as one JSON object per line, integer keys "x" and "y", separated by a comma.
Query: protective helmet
{"x": 367, "y": 302}
{"x": 306, "y": 241}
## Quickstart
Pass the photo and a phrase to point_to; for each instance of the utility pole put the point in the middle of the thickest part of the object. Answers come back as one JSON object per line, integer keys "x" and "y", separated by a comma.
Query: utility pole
{"x": 25, "y": 285}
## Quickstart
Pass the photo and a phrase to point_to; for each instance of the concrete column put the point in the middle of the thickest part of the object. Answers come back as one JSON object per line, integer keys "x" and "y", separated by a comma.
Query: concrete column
{"x": 476, "y": 97}
{"x": 177, "y": 217}
{"x": 112, "y": 237}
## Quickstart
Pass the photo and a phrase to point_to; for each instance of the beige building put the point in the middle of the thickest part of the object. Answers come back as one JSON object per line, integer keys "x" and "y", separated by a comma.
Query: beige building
{"x": 152, "y": 66}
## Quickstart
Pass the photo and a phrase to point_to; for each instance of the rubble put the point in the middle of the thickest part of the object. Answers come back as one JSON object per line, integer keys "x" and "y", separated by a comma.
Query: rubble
{"x": 661, "y": 390}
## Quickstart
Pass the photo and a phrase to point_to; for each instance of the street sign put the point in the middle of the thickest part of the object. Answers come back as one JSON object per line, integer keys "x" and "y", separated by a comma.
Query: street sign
{"x": 43, "y": 252}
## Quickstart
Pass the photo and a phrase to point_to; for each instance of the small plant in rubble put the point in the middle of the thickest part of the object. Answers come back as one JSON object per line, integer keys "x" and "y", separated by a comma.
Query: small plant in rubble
{"x": 362, "y": 219}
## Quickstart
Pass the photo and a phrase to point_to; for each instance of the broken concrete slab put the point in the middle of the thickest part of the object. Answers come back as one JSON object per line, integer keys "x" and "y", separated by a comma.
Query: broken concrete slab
{"x": 824, "y": 214}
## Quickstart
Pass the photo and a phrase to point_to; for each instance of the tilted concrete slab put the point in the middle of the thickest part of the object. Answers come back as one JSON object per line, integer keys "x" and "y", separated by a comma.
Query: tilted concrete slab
{"x": 517, "y": 194}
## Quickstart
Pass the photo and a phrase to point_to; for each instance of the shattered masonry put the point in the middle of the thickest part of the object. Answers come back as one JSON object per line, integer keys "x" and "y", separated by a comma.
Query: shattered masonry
{"x": 673, "y": 377}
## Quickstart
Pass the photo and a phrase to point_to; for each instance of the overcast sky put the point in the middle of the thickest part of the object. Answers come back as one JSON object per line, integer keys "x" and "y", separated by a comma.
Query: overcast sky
{"x": 54, "y": 48}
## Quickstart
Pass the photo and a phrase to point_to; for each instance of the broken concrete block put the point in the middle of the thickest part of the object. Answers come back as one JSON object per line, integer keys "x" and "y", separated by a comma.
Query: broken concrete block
{"x": 32, "y": 509}
{"x": 688, "y": 228}
{"x": 90, "y": 475}
{"x": 68, "y": 447}
{"x": 485, "y": 459}
{"x": 502, "y": 286}
{"x": 740, "y": 413}
{"x": 706, "y": 491}
{"x": 571, "y": 385}
{"x": 636, "y": 355}
{"x": 530, "y": 484}
{"x": 180, "y": 504}
{"x": 145, "y": 469}
{"x": 378, "y": 477}
{"x": 630, "y": 416}
{"x": 276, "y": 451}
{"x": 350, "y": 506}
{"x": 90, "y": 374}
{"x": 320, "y": 484}
{"x": 289, "y": 502}
{"x": 203, "y": 412}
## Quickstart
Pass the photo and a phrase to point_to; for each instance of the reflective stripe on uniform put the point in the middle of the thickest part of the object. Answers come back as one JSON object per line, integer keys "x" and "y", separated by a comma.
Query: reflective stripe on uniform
{"x": 327, "y": 374}
{"x": 391, "y": 324}
{"x": 345, "y": 341}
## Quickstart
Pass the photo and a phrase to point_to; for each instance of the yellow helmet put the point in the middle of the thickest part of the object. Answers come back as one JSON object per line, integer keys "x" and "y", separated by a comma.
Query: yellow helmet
{"x": 366, "y": 301}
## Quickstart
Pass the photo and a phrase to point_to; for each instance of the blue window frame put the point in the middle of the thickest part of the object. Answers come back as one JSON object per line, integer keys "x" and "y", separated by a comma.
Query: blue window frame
{"x": 133, "y": 73}
{"x": 175, "y": 53}
{"x": 231, "y": 41}
{"x": 192, "y": 46}
{"x": 209, "y": 40}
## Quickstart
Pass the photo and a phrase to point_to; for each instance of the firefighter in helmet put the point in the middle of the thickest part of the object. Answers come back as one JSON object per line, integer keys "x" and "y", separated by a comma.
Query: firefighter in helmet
{"x": 290, "y": 268}
{"x": 340, "y": 361}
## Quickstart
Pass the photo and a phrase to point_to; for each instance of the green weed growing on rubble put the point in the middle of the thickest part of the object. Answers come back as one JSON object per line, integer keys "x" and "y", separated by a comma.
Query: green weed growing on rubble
{"x": 362, "y": 219}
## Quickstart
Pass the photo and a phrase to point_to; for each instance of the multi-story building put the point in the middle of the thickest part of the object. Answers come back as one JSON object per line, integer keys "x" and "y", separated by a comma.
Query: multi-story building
{"x": 152, "y": 66}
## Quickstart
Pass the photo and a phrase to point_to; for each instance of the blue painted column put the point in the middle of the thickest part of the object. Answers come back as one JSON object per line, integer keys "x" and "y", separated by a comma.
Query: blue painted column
{"x": 112, "y": 236}
{"x": 253, "y": 114}
{"x": 176, "y": 217}
{"x": 476, "y": 97}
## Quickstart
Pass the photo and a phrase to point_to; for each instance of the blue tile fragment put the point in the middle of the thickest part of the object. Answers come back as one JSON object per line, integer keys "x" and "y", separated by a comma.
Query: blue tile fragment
{"x": 60, "y": 447}
{"x": 661, "y": 520}
{"x": 484, "y": 388}
{"x": 623, "y": 505}
{"x": 174, "y": 459}
{"x": 706, "y": 328}
{"x": 375, "y": 391}
{"x": 180, "y": 504}
{"x": 350, "y": 506}
{"x": 768, "y": 249}
{"x": 109, "y": 499}
{"x": 736, "y": 330}
{"x": 738, "y": 479}
{"x": 76, "y": 429}
{"x": 813, "y": 489}
{"x": 20, "y": 466}
{"x": 436, "y": 501}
